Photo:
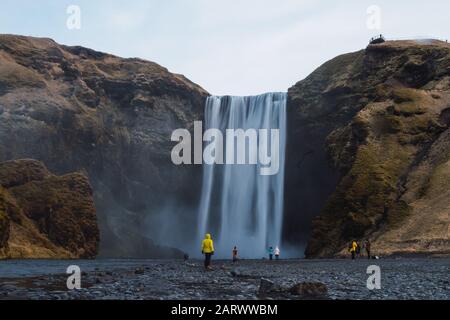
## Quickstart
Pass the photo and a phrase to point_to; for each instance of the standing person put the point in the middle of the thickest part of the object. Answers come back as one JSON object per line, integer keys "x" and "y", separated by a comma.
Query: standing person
{"x": 270, "y": 251}
{"x": 367, "y": 245}
{"x": 353, "y": 247}
{"x": 207, "y": 250}
{"x": 235, "y": 254}
{"x": 358, "y": 250}
{"x": 277, "y": 253}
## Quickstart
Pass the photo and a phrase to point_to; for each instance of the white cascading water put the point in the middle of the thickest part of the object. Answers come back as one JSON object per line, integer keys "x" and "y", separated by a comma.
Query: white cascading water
{"x": 239, "y": 206}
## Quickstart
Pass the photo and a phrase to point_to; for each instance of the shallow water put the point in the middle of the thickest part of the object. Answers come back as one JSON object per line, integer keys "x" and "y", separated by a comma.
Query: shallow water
{"x": 37, "y": 267}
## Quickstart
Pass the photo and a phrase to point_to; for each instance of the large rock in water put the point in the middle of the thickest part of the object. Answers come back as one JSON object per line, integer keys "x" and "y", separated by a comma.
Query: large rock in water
{"x": 76, "y": 109}
{"x": 43, "y": 215}
{"x": 369, "y": 149}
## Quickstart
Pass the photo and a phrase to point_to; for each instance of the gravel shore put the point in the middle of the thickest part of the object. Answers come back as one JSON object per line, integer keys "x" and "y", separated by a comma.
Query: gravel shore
{"x": 174, "y": 279}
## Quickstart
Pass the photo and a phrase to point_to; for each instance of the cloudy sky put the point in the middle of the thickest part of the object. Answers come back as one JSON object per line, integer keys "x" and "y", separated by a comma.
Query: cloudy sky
{"x": 238, "y": 47}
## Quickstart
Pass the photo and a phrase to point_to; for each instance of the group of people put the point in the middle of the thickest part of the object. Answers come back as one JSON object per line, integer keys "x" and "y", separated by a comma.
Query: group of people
{"x": 273, "y": 252}
{"x": 355, "y": 249}
{"x": 208, "y": 251}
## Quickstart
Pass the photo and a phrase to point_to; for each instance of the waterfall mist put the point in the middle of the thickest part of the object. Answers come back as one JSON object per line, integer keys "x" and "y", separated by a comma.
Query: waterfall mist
{"x": 239, "y": 206}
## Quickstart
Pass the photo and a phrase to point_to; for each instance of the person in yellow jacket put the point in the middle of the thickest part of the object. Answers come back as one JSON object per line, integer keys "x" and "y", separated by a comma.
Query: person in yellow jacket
{"x": 353, "y": 248}
{"x": 207, "y": 250}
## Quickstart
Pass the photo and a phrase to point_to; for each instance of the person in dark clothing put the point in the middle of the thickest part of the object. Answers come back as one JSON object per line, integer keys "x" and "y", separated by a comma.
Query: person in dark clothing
{"x": 270, "y": 251}
{"x": 235, "y": 254}
{"x": 367, "y": 246}
{"x": 207, "y": 262}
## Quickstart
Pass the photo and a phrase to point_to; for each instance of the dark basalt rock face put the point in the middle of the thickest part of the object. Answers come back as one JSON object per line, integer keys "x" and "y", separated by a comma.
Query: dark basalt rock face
{"x": 43, "y": 215}
{"x": 367, "y": 151}
{"x": 76, "y": 109}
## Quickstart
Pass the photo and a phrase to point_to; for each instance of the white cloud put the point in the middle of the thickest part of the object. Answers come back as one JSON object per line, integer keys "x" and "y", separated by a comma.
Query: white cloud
{"x": 229, "y": 46}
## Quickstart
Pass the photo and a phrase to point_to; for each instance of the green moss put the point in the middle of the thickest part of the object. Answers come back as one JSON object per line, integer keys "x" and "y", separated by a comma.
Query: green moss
{"x": 341, "y": 64}
{"x": 370, "y": 186}
{"x": 355, "y": 225}
{"x": 398, "y": 212}
{"x": 401, "y": 95}
{"x": 4, "y": 219}
{"x": 409, "y": 109}
{"x": 378, "y": 165}
{"x": 413, "y": 139}
{"x": 407, "y": 102}
{"x": 438, "y": 180}
{"x": 383, "y": 91}
{"x": 417, "y": 124}
{"x": 63, "y": 210}
{"x": 367, "y": 194}
{"x": 392, "y": 124}
{"x": 13, "y": 75}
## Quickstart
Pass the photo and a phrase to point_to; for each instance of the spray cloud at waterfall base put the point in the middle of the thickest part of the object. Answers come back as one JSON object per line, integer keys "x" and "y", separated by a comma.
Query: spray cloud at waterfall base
{"x": 243, "y": 172}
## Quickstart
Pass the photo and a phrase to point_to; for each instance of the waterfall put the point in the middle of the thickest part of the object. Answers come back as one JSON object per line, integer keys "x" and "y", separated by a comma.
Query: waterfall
{"x": 239, "y": 206}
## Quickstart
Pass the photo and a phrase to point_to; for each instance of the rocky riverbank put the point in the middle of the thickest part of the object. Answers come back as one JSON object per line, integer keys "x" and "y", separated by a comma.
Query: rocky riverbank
{"x": 245, "y": 280}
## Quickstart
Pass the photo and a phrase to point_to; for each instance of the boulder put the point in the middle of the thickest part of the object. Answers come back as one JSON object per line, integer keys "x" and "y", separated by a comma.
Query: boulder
{"x": 266, "y": 287}
{"x": 43, "y": 215}
{"x": 309, "y": 290}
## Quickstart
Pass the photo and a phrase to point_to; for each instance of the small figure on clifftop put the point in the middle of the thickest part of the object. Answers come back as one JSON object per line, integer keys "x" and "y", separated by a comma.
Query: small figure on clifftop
{"x": 352, "y": 249}
{"x": 367, "y": 246}
{"x": 270, "y": 251}
{"x": 207, "y": 250}
{"x": 235, "y": 254}
{"x": 377, "y": 40}
{"x": 277, "y": 253}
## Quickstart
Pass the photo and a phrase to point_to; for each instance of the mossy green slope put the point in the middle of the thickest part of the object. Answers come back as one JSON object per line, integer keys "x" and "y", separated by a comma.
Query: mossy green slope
{"x": 376, "y": 142}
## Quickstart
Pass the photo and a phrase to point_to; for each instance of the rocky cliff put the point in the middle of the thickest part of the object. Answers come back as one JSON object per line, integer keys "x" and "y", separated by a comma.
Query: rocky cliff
{"x": 369, "y": 149}
{"x": 76, "y": 109}
{"x": 43, "y": 215}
